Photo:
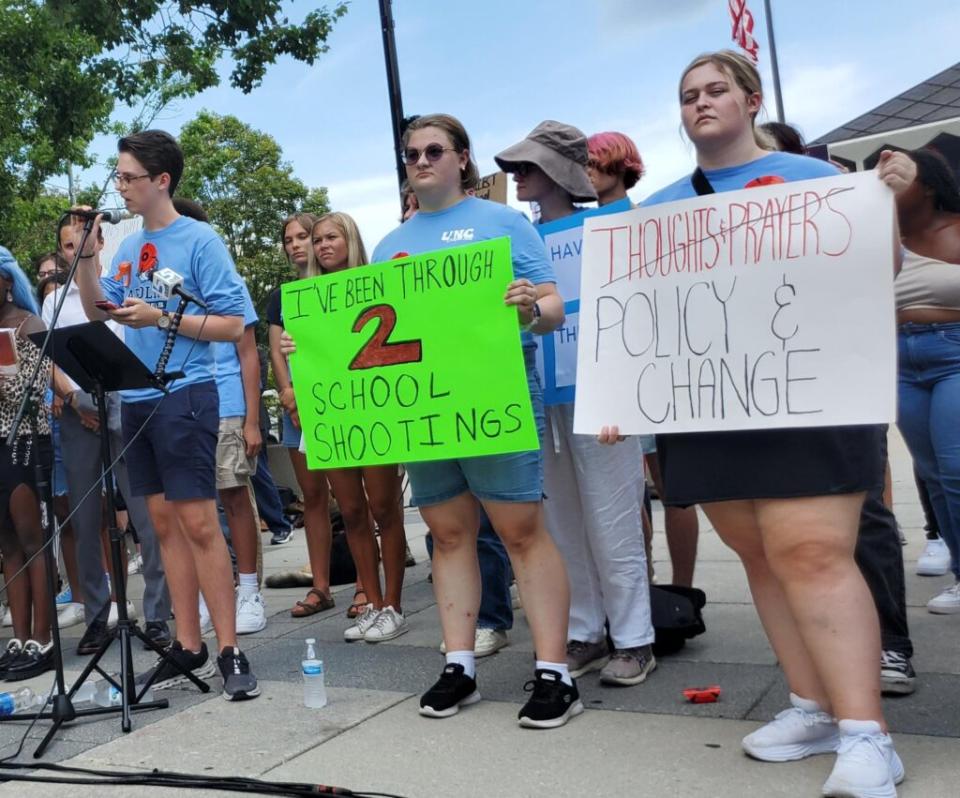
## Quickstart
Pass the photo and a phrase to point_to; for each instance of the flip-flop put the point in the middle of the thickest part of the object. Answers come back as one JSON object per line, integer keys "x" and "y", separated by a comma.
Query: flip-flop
{"x": 305, "y": 609}
{"x": 357, "y": 607}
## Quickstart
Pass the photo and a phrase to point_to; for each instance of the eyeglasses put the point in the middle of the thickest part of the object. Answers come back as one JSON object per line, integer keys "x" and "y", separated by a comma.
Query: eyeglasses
{"x": 434, "y": 152}
{"x": 122, "y": 181}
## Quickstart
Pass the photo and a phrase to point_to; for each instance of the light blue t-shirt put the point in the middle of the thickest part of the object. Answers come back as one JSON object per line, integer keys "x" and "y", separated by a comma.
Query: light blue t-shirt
{"x": 467, "y": 222}
{"x": 777, "y": 167}
{"x": 229, "y": 378}
{"x": 193, "y": 250}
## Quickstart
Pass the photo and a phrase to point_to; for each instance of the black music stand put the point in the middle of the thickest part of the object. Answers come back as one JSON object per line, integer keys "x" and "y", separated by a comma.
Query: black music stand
{"x": 99, "y": 362}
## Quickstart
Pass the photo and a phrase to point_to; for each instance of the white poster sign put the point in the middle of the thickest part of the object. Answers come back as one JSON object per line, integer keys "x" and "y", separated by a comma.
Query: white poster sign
{"x": 761, "y": 308}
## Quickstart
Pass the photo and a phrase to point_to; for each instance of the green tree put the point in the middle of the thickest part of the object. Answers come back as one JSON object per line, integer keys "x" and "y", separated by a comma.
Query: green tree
{"x": 65, "y": 63}
{"x": 239, "y": 176}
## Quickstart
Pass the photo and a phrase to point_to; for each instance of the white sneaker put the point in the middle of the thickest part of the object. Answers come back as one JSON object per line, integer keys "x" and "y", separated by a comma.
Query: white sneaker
{"x": 114, "y": 616}
{"x": 387, "y": 625}
{"x": 866, "y": 766}
{"x": 935, "y": 560}
{"x": 135, "y": 564}
{"x": 489, "y": 641}
{"x": 947, "y": 602}
{"x": 796, "y": 733}
{"x": 515, "y": 600}
{"x": 251, "y": 613}
{"x": 361, "y": 624}
{"x": 70, "y": 614}
{"x": 206, "y": 622}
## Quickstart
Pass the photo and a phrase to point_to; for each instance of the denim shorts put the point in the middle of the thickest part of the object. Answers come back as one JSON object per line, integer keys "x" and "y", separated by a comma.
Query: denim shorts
{"x": 176, "y": 454}
{"x": 291, "y": 435}
{"x": 516, "y": 477}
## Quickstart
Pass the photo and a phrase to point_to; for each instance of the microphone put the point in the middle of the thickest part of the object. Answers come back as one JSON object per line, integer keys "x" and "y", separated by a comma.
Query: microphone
{"x": 110, "y": 215}
{"x": 166, "y": 282}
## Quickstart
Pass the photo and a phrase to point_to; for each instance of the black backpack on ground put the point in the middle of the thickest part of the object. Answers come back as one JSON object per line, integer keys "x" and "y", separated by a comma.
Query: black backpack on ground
{"x": 676, "y": 615}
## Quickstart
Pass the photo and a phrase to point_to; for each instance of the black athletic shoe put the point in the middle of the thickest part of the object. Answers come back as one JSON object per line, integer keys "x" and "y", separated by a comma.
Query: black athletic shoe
{"x": 454, "y": 689}
{"x": 96, "y": 634}
{"x": 168, "y": 676}
{"x": 10, "y": 654}
{"x": 159, "y": 633}
{"x": 239, "y": 684}
{"x": 896, "y": 674}
{"x": 281, "y": 536}
{"x": 552, "y": 704}
{"x": 33, "y": 660}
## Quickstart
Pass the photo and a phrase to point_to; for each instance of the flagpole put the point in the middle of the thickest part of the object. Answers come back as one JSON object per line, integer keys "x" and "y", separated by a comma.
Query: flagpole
{"x": 773, "y": 60}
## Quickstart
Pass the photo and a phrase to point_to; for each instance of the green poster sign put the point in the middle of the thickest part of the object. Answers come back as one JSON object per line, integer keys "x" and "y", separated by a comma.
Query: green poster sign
{"x": 415, "y": 359}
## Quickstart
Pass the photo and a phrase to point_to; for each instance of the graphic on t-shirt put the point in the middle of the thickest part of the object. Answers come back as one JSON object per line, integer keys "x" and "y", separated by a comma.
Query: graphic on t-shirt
{"x": 148, "y": 257}
{"x": 765, "y": 180}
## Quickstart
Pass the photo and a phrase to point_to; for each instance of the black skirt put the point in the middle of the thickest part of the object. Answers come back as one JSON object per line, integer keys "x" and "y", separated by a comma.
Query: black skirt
{"x": 704, "y": 467}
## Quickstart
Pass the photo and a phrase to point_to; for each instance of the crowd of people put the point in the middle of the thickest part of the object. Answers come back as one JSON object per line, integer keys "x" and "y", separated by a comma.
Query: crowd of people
{"x": 808, "y": 512}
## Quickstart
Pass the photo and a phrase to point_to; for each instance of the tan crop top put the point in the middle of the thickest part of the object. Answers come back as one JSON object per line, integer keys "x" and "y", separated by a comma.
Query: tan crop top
{"x": 927, "y": 283}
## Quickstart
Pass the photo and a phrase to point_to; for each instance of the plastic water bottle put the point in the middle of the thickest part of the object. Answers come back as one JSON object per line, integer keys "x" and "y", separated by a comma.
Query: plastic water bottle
{"x": 106, "y": 695}
{"x": 314, "y": 690}
{"x": 23, "y": 700}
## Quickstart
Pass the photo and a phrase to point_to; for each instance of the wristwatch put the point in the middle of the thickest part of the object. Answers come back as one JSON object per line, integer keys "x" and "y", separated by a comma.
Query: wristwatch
{"x": 164, "y": 321}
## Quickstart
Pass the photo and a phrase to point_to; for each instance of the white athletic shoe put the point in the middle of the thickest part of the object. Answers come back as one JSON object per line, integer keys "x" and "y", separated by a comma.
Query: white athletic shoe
{"x": 69, "y": 614}
{"x": 114, "y": 615}
{"x": 251, "y": 613}
{"x": 206, "y": 622}
{"x": 387, "y": 625}
{"x": 947, "y": 602}
{"x": 485, "y": 642}
{"x": 361, "y": 624}
{"x": 796, "y": 733}
{"x": 866, "y": 766}
{"x": 935, "y": 560}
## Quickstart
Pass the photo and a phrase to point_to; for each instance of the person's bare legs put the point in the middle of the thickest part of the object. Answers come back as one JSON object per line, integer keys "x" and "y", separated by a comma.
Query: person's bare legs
{"x": 736, "y": 524}
{"x": 810, "y": 545}
{"x": 17, "y": 583}
{"x": 540, "y": 572}
{"x": 384, "y": 494}
{"x": 316, "y": 519}
{"x": 347, "y": 486}
{"x": 25, "y": 515}
{"x": 454, "y": 525}
{"x": 682, "y": 528}
{"x": 243, "y": 526}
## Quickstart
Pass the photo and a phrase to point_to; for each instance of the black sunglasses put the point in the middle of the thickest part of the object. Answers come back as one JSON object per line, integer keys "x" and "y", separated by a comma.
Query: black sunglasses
{"x": 434, "y": 152}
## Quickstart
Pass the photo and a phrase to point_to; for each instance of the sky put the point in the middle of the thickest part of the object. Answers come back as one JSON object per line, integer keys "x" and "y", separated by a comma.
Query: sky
{"x": 503, "y": 66}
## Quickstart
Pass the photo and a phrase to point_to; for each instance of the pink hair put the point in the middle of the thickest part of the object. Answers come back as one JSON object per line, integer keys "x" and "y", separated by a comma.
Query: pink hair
{"x": 615, "y": 153}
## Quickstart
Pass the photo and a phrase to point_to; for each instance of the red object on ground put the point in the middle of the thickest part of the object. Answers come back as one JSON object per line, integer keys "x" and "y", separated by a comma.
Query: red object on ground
{"x": 702, "y": 695}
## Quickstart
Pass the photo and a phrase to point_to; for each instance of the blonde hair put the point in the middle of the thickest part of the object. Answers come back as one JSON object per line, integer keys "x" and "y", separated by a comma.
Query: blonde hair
{"x": 453, "y": 127}
{"x": 306, "y": 221}
{"x": 344, "y": 222}
{"x": 744, "y": 73}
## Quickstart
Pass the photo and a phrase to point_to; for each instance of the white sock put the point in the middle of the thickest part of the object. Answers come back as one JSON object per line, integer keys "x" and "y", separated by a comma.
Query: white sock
{"x": 806, "y": 704}
{"x": 852, "y": 727}
{"x": 465, "y": 658}
{"x": 248, "y": 584}
{"x": 559, "y": 667}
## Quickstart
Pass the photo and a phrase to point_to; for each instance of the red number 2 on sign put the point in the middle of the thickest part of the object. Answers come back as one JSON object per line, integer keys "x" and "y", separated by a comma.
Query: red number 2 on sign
{"x": 379, "y": 351}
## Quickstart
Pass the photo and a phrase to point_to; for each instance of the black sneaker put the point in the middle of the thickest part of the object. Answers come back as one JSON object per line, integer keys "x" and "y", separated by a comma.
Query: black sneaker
{"x": 553, "y": 702}
{"x": 896, "y": 674}
{"x": 239, "y": 684}
{"x": 159, "y": 633}
{"x": 34, "y": 659}
{"x": 10, "y": 654}
{"x": 95, "y": 636}
{"x": 281, "y": 536}
{"x": 454, "y": 689}
{"x": 168, "y": 676}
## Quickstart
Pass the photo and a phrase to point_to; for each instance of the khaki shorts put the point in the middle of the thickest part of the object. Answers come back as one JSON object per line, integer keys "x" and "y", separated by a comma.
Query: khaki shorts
{"x": 234, "y": 468}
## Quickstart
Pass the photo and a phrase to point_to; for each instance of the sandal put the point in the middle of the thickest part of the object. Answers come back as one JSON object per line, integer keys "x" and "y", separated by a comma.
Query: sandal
{"x": 358, "y": 607}
{"x": 304, "y": 609}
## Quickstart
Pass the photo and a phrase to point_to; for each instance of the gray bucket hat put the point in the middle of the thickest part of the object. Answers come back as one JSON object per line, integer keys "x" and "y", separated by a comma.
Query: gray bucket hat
{"x": 560, "y": 151}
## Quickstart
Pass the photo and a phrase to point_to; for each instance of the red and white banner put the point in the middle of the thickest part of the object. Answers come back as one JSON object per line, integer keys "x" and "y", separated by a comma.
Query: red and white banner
{"x": 743, "y": 28}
